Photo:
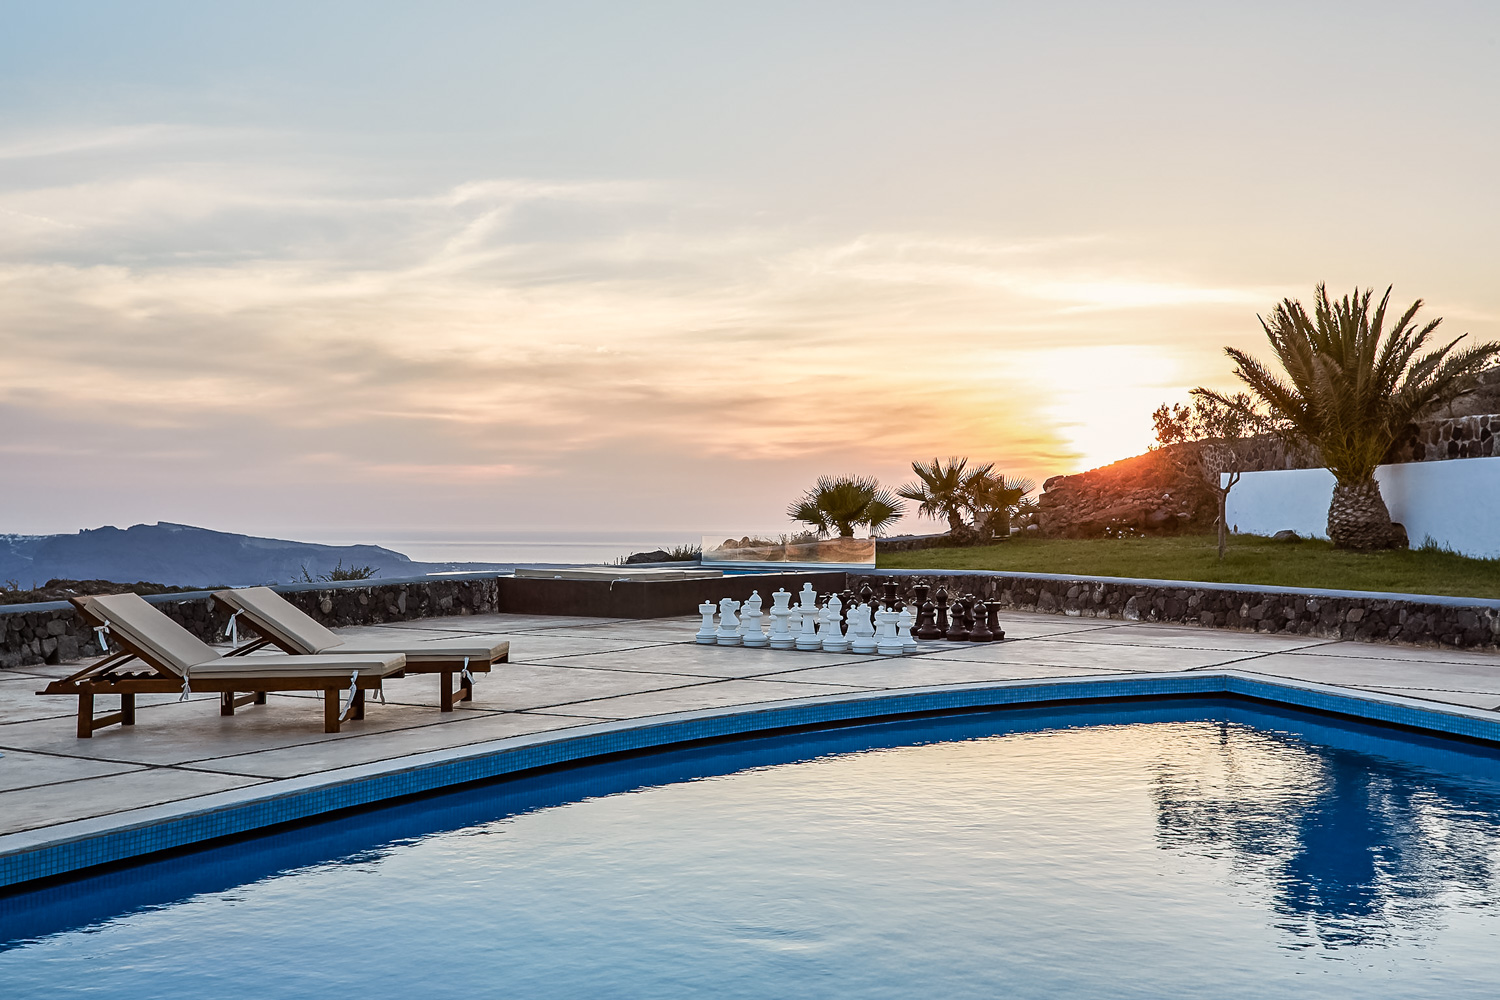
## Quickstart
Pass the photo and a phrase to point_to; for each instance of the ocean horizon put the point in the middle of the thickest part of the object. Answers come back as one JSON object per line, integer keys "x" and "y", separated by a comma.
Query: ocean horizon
{"x": 518, "y": 546}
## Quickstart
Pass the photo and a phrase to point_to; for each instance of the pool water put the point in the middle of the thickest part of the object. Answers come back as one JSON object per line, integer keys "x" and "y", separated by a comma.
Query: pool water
{"x": 1189, "y": 849}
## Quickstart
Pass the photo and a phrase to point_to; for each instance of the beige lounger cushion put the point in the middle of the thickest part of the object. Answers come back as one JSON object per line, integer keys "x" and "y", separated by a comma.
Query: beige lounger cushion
{"x": 147, "y": 628}
{"x": 421, "y": 651}
{"x": 285, "y": 624}
{"x": 289, "y": 627}
{"x": 173, "y": 647}
{"x": 271, "y": 667}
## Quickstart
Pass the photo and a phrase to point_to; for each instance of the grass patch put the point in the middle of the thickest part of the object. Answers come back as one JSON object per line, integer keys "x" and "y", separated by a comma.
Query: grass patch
{"x": 1251, "y": 559}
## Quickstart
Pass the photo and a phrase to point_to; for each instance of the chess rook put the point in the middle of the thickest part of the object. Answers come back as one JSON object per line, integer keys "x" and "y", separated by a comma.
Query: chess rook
{"x": 706, "y": 633}
{"x": 781, "y": 614}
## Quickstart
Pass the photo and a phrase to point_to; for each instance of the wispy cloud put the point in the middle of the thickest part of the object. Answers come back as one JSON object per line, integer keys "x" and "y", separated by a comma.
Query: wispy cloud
{"x": 500, "y": 333}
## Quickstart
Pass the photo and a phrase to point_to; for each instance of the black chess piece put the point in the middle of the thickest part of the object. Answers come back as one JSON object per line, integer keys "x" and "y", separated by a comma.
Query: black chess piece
{"x": 979, "y": 631}
{"x": 888, "y": 594}
{"x": 847, "y": 598}
{"x": 926, "y": 627}
{"x": 866, "y": 595}
{"x": 957, "y": 631}
{"x": 996, "y": 632}
{"x": 919, "y": 592}
{"x": 941, "y": 623}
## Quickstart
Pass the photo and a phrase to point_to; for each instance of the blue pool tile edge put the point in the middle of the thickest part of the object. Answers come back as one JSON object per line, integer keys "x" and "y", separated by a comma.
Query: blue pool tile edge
{"x": 76, "y": 846}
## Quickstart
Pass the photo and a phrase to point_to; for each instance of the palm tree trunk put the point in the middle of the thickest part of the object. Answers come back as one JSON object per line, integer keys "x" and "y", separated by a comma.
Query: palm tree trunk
{"x": 1359, "y": 519}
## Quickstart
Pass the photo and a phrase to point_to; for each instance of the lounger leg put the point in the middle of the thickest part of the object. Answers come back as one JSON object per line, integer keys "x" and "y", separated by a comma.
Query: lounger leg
{"x": 331, "y": 709}
{"x": 359, "y": 704}
{"x": 445, "y": 695}
{"x": 226, "y": 703}
{"x": 260, "y": 697}
{"x": 127, "y": 709}
{"x": 86, "y": 715}
{"x": 466, "y": 686}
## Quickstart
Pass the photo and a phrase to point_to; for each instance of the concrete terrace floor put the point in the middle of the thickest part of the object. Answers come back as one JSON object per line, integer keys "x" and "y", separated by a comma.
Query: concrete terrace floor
{"x": 572, "y": 671}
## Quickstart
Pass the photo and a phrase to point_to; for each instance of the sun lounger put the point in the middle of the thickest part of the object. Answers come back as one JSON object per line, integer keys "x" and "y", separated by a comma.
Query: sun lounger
{"x": 172, "y": 659}
{"x": 282, "y": 624}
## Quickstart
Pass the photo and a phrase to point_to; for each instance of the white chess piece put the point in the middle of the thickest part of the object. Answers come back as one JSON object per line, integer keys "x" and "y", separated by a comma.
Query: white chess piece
{"x": 903, "y": 629}
{"x": 833, "y": 627}
{"x": 887, "y": 641}
{"x": 750, "y": 627}
{"x": 706, "y": 634}
{"x": 781, "y": 613}
{"x": 861, "y": 630}
{"x": 808, "y": 598}
{"x": 807, "y": 635}
{"x": 729, "y": 623}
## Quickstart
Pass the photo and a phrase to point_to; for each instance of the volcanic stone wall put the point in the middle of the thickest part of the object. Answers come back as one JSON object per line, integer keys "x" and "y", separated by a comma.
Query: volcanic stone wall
{"x": 1321, "y": 615}
{"x": 55, "y": 633}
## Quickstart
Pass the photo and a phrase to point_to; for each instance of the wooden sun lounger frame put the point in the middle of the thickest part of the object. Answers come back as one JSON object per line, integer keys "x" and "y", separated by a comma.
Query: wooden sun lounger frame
{"x": 110, "y": 676}
{"x": 448, "y": 695}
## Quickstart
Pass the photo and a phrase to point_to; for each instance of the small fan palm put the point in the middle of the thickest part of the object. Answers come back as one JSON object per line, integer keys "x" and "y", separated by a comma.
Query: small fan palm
{"x": 842, "y": 503}
{"x": 943, "y": 489}
{"x": 1351, "y": 389}
{"x": 994, "y": 499}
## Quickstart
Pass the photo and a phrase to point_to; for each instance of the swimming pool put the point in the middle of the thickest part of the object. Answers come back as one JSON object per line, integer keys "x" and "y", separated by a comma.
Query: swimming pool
{"x": 1189, "y": 848}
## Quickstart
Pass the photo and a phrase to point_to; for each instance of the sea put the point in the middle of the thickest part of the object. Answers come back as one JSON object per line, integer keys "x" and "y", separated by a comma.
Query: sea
{"x": 516, "y": 547}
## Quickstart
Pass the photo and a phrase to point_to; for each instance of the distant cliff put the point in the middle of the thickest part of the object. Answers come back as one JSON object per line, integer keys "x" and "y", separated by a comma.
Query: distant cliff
{"x": 184, "y": 556}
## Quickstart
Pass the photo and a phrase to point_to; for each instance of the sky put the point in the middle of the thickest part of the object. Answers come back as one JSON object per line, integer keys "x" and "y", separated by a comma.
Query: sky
{"x": 336, "y": 271}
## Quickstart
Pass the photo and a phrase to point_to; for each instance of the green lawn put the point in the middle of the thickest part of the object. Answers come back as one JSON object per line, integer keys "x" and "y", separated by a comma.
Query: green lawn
{"x": 1251, "y": 559}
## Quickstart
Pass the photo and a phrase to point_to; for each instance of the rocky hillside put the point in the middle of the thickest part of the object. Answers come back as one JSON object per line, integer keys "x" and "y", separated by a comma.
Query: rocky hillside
{"x": 179, "y": 555}
{"x": 1160, "y": 492}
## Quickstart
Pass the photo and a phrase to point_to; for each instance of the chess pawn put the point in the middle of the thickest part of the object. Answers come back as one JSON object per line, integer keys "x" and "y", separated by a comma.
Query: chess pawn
{"x": 832, "y": 631}
{"x": 941, "y": 622}
{"x": 861, "y": 630}
{"x": 980, "y": 630}
{"x": 729, "y": 623}
{"x": 927, "y": 629}
{"x": 847, "y": 603}
{"x": 887, "y": 641}
{"x": 807, "y": 636}
{"x": 781, "y": 614}
{"x": 706, "y": 635}
{"x": 750, "y": 622}
{"x": 998, "y": 633}
{"x": 956, "y": 631}
{"x": 903, "y": 629}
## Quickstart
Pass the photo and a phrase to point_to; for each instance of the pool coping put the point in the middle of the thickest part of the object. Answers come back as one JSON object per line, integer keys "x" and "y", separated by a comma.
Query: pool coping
{"x": 72, "y": 848}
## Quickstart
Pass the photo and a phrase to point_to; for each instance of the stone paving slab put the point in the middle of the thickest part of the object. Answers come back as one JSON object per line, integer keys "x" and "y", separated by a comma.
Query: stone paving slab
{"x": 717, "y": 694}
{"x": 569, "y": 671}
{"x": 1116, "y": 658}
{"x": 30, "y": 808}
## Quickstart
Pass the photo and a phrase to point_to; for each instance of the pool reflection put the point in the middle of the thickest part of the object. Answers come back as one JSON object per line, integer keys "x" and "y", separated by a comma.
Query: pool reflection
{"x": 1355, "y": 847}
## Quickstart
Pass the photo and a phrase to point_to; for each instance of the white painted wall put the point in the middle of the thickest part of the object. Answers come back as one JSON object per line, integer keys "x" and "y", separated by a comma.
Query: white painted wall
{"x": 1454, "y": 502}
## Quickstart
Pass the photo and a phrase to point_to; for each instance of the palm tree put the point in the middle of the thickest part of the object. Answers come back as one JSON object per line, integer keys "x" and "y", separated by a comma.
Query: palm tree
{"x": 994, "y": 499}
{"x": 943, "y": 489}
{"x": 845, "y": 502}
{"x": 1351, "y": 389}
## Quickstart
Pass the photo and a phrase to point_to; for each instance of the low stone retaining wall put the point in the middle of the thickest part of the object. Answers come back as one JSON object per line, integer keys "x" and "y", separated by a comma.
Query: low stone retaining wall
{"x": 911, "y": 543}
{"x": 54, "y": 633}
{"x": 1325, "y": 614}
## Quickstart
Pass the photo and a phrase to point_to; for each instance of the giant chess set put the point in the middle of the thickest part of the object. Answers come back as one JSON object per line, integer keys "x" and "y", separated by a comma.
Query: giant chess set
{"x": 887, "y": 624}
